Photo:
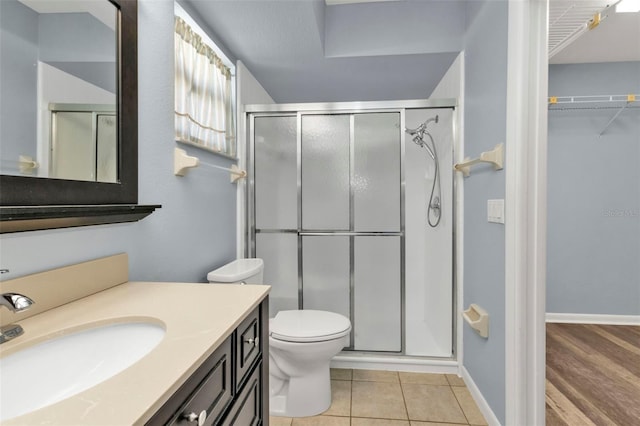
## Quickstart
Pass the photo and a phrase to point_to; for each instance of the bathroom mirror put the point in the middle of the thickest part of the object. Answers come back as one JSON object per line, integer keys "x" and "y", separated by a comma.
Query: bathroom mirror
{"x": 59, "y": 85}
{"x": 69, "y": 102}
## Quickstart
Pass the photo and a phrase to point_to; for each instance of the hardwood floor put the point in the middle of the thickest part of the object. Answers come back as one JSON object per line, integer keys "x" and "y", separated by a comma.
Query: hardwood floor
{"x": 593, "y": 375}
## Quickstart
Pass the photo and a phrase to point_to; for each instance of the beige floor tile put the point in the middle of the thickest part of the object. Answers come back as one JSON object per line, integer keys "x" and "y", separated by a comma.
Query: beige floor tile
{"x": 471, "y": 410}
{"x": 415, "y": 423}
{"x": 340, "y": 399}
{"x": 280, "y": 421}
{"x": 454, "y": 380}
{"x": 341, "y": 374}
{"x": 357, "y": 421}
{"x": 376, "y": 376}
{"x": 321, "y": 421}
{"x": 423, "y": 378}
{"x": 378, "y": 400}
{"x": 432, "y": 403}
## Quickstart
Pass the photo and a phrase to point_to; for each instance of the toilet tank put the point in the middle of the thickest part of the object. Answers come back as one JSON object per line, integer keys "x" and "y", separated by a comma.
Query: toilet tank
{"x": 240, "y": 271}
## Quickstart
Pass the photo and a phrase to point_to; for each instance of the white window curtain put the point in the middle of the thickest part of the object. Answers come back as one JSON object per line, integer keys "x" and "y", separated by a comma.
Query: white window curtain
{"x": 203, "y": 98}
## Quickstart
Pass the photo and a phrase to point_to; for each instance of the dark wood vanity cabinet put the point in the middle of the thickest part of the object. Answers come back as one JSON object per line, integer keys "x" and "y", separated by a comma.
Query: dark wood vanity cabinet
{"x": 230, "y": 388}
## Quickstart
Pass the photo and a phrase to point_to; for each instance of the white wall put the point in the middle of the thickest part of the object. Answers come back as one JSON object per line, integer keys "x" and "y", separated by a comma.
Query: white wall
{"x": 249, "y": 91}
{"x": 452, "y": 86}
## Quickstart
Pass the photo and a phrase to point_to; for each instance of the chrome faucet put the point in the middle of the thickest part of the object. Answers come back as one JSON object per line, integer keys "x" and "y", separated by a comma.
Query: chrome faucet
{"x": 16, "y": 303}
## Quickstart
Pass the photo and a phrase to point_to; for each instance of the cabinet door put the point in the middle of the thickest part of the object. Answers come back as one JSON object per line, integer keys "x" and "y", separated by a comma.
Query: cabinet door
{"x": 248, "y": 345}
{"x": 247, "y": 409}
{"x": 208, "y": 389}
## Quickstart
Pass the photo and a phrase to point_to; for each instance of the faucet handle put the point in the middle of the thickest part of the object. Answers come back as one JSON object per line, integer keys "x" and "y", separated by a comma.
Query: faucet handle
{"x": 16, "y": 302}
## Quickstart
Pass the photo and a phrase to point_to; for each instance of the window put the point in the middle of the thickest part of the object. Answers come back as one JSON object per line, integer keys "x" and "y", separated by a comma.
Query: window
{"x": 204, "y": 105}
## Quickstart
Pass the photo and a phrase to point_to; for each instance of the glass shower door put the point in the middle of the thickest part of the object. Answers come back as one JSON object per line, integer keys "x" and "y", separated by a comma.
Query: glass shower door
{"x": 275, "y": 224}
{"x": 377, "y": 225}
{"x": 328, "y": 218}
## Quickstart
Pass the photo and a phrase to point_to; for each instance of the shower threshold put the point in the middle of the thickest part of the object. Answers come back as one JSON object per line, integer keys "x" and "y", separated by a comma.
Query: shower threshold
{"x": 394, "y": 362}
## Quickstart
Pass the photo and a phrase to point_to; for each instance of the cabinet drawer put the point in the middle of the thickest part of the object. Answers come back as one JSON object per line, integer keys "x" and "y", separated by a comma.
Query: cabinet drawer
{"x": 248, "y": 345}
{"x": 247, "y": 408}
{"x": 209, "y": 389}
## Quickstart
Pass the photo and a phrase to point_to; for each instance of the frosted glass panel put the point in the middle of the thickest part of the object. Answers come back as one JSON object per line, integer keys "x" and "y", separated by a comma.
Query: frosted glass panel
{"x": 325, "y": 273}
{"x": 74, "y": 150}
{"x": 276, "y": 181}
{"x": 280, "y": 255}
{"x": 325, "y": 172}
{"x": 376, "y": 182}
{"x": 377, "y": 294}
{"x": 107, "y": 148}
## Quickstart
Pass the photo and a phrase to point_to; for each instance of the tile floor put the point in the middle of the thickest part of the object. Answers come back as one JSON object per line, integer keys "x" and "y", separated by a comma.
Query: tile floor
{"x": 389, "y": 398}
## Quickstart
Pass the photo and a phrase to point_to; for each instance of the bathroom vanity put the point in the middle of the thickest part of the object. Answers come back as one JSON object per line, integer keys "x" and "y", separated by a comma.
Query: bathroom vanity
{"x": 227, "y": 388}
{"x": 209, "y": 368}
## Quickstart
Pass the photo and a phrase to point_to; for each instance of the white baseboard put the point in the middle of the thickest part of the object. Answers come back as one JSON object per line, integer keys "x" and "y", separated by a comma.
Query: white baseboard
{"x": 482, "y": 403}
{"x": 390, "y": 363}
{"x": 594, "y": 319}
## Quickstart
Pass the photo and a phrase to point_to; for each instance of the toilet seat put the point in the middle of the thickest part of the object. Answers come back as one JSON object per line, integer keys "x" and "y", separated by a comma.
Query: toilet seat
{"x": 299, "y": 326}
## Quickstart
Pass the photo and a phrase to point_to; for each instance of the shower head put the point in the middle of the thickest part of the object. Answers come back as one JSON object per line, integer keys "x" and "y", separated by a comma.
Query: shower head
{"x": 421, "y": 129}
{"x": 418, "y": 135}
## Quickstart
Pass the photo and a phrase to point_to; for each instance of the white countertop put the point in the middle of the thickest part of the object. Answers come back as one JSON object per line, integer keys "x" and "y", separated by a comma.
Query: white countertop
{"x": 197, "y": 318}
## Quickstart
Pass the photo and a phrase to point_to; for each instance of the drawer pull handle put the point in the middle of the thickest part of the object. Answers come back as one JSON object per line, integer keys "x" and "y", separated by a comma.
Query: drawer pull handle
{"x": 252, "y": 341}
{"x": 192, "y": 417}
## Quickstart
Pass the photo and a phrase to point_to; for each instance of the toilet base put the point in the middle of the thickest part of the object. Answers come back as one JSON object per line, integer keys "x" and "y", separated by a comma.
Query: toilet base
{"x": 303, "y": 396}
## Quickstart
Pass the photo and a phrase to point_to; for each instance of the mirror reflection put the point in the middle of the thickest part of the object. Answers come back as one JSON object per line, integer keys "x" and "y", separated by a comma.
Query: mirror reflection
{"x": 58, "y": 80}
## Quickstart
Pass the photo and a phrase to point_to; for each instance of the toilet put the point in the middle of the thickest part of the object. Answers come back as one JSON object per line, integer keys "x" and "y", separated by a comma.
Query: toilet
{"x": 301, "y": 345}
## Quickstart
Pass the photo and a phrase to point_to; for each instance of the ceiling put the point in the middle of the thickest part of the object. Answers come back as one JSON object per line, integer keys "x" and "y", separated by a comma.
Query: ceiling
{"x": 309, "y": 51}
{"x": 102, "y": 11}
{"x": 347, "y": 50}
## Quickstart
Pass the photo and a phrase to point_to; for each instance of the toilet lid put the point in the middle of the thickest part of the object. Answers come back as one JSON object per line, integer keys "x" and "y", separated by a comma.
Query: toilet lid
{"x": 308, "y": 326}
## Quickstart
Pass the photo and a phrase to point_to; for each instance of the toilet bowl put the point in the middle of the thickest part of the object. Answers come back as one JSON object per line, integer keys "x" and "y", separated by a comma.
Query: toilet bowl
{"x": 301, "y": 345}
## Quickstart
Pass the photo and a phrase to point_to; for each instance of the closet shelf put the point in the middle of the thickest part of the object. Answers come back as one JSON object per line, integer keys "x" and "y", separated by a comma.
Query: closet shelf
{"x": 593, "y": 102}
{"x": 617, "y": 102}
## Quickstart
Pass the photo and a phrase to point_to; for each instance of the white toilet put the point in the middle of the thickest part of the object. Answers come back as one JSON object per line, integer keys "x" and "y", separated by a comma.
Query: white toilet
{"x": 301, "y": 345}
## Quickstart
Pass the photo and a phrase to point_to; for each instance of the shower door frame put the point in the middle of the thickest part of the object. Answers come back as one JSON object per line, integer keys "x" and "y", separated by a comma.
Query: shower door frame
{"x": 344, "y": 108}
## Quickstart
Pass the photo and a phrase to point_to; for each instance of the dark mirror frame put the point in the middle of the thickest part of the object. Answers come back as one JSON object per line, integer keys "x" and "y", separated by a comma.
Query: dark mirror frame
{"x": 30, "y": 203}
{"x": 34, "y": 191}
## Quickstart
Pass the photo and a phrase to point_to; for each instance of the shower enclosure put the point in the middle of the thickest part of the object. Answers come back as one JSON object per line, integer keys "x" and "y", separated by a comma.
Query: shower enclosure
{"x": 327, "y": 213}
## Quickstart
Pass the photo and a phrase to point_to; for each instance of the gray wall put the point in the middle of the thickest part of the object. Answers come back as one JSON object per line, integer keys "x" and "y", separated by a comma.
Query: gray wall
{"x": 81, "y": 45}
{"x": 18, "y": 82}
{"x": 594, "y": 195}
{"x": 195, "y": 229}
{"x": 484, "y": 243}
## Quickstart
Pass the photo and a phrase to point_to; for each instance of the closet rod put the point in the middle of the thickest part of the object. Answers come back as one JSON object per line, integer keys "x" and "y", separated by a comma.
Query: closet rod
{"x": 559, "y": 100}
{"x": 617, "y": 101}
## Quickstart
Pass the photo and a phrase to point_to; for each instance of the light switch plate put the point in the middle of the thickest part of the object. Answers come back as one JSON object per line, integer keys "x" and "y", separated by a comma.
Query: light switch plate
{"x": 495, "y": 211}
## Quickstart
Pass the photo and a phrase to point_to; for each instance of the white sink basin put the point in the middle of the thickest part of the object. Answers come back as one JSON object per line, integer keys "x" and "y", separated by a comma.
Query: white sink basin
{"x": 60, "y": 367}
